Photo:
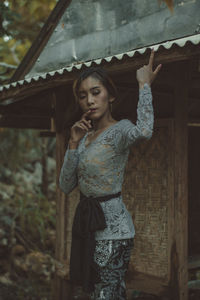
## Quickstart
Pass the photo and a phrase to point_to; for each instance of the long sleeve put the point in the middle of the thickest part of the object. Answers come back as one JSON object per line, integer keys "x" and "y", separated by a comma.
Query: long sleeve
{"x": 145, "y": 119}
{"x": 68, "y": 177}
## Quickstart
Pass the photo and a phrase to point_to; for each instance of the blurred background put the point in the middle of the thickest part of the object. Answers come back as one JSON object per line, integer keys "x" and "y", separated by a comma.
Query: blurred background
{"x": 27, "y": 172}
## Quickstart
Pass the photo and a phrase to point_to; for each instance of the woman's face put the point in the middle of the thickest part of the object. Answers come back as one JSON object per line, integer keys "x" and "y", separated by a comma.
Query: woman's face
{"x": 94, "y": 96}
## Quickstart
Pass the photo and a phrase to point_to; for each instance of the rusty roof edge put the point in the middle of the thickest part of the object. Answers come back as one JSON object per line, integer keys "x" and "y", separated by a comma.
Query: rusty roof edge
{"x": 194, "y": 39}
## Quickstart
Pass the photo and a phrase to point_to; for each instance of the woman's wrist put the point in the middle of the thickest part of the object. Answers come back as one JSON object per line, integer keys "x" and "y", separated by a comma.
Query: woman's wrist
{"x": 73, "y": 144}
{"x": 141, "y": 84}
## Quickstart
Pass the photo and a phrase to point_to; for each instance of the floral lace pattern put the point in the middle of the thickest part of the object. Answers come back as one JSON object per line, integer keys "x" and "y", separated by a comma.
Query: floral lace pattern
{"x": 99, "y": 167}
{"x": 112, "y": 259}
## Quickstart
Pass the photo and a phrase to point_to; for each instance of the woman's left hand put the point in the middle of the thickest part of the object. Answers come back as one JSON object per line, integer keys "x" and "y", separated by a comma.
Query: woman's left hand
{"x": 146, "y": 73}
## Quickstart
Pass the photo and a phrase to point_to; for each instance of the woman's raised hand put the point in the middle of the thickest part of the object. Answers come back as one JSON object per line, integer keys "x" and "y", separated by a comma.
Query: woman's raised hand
{"x": 79, "y": 129}
{"x": 146, "y": 73}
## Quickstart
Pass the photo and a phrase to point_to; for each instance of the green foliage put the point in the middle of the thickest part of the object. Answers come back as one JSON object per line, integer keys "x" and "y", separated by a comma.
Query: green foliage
{"x": 26, "y": 218}
{"x": 23, "y": 141}
{"x": 7, "y": 16}
{"x": 28, "y": 17}
{"x": 31, "y": 289}
{"x": 31, "y": 215}
{"x": 18, "y": 146}
{"x": 20, "y": 23}
{"x": 34, "y": 215}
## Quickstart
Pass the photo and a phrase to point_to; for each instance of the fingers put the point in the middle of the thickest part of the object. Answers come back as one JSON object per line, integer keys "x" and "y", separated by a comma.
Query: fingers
{"x": 81, "y": 125}
{"x": 86, "y": 114}
{"x": 151, "y": 59}
{"x": 157, "y": 69}
{"x": 146, "y": 73}
{"x": 87, "y": 123}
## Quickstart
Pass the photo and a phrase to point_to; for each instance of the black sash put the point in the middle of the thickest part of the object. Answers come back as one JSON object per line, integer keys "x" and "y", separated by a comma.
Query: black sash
{"x": 89, "y": 217}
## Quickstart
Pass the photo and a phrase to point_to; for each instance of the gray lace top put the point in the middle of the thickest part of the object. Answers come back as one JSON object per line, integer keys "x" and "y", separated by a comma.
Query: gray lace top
{"x": 98, "y": 168}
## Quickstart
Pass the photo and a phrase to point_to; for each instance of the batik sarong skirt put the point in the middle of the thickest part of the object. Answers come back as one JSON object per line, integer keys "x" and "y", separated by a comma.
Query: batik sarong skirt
{"x": 112, "y": 258}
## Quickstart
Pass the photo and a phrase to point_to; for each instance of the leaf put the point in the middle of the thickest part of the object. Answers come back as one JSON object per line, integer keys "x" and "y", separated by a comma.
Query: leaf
{"x": 170, "y": 4}
{"x": 7, "y": 220}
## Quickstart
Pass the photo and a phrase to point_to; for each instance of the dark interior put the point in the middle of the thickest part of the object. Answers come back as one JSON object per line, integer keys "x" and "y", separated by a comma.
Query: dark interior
{"x": 194, "y": 190}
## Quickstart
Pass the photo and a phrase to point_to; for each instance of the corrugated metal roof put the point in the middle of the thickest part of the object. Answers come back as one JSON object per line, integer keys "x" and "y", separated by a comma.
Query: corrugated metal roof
{"x": 91, "y": 29}
{"x": 194, "y": 39}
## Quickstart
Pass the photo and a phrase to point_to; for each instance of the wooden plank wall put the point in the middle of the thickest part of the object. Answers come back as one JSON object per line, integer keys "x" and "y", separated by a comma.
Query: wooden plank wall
{"x": 179, "y": 250}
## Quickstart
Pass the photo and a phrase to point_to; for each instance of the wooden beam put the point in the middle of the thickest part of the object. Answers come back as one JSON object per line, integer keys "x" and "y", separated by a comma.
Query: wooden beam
{"x": 163, "y": 56}
{"x": 179, "y": 253}
{"x": 24, "y": 122}
{"x": 31, "y": 111}
{"x": 194, "y": 124}
{"x": 61, "y": 286}
{"x": 29, "y": 114}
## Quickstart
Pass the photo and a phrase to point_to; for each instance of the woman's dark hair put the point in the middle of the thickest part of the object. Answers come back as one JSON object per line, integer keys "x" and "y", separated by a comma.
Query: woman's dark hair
{"x": 97, "y": 73}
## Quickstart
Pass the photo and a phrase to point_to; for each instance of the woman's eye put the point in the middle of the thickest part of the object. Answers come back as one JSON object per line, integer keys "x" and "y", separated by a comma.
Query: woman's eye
{"x": 96, "y": 92}
{"x": 81, "y": 97}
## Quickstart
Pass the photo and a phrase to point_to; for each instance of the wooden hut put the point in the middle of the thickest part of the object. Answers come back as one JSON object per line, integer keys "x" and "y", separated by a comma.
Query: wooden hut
{"x": 118, "y": 35}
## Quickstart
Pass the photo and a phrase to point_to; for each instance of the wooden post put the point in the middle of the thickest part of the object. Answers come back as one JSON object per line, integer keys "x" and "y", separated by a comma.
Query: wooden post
{"x": 179, "y": 253}
{"x": 61, "y": 286}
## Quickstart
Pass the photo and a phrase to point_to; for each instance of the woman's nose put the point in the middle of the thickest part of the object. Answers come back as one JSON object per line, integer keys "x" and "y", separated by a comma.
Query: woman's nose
{"x": 90, "y": 99}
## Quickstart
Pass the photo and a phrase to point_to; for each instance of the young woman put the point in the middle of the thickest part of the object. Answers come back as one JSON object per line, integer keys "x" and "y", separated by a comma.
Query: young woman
{"x": 98, "y": 149}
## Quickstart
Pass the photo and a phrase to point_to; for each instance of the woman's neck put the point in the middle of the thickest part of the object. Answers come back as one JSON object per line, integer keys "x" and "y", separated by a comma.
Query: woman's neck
{"x": 102, "y": 123}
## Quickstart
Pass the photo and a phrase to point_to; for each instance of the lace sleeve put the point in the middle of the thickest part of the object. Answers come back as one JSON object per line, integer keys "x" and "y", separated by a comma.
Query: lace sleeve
{"x": 145, "y": 118}
{"x": 68, "y": 177}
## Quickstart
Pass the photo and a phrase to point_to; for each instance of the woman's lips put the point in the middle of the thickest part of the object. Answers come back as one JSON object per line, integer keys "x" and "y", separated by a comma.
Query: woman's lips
{"x": 93, "y": 110}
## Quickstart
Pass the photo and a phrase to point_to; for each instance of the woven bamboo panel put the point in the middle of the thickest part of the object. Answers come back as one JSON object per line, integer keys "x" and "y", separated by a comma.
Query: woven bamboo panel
{"x": 146, "y": 193}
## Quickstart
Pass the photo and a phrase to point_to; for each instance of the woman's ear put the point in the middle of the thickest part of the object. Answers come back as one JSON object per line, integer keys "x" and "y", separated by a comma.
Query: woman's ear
{"x": 111, "y": 99}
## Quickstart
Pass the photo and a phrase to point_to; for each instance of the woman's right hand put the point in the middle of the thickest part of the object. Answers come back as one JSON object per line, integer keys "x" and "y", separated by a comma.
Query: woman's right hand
{"x": 79, "y": 129}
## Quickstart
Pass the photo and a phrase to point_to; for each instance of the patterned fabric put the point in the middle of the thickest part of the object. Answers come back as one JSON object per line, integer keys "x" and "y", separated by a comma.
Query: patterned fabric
{"x": 112, "y": 258}
{"x": 99, "y": 167}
